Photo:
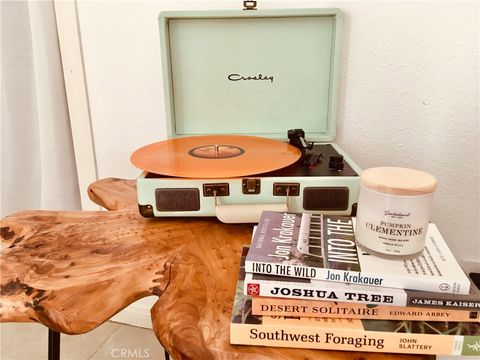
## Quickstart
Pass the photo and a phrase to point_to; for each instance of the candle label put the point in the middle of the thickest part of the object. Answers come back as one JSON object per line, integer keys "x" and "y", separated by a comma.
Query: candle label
{"x": 392, "y": 224}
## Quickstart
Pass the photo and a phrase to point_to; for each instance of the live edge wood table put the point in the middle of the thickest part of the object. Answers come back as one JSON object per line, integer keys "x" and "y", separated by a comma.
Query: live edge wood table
{"x": 74, "y": 270}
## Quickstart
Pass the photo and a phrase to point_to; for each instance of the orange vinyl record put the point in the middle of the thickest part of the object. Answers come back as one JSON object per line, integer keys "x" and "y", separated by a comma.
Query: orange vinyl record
{"x": 215, "y": 156}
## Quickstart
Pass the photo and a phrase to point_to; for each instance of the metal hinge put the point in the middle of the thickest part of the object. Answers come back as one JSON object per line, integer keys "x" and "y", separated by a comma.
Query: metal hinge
{"x": 249, "y": 5}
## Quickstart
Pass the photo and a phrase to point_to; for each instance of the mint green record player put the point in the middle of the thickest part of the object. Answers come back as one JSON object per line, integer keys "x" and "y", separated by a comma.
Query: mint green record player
{"x": 259, "y": 73}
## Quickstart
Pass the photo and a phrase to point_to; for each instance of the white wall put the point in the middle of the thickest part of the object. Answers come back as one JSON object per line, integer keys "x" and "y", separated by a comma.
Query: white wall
{"x": 409, "y": 92}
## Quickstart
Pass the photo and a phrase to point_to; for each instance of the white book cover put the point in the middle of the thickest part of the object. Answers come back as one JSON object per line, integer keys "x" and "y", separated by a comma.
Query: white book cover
{"x": 323, "y": 247}
{"x": 294, "y": 288}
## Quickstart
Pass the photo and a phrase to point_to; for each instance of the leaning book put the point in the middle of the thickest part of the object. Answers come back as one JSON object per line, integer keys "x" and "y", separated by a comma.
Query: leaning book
{"x": 408, "y": 337}
{"x": 323, "y": 247}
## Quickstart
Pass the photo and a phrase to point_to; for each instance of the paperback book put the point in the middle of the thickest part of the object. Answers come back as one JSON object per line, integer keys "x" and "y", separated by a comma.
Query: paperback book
{"x": 412, "y": 337}
{"x": 341, "y": 310}
{"x": 260, "y": 285}
{"x": 323, "y": 247}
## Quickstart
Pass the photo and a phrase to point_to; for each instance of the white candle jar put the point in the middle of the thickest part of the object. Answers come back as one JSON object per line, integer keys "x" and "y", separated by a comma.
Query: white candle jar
{"x": 393, "y": 212}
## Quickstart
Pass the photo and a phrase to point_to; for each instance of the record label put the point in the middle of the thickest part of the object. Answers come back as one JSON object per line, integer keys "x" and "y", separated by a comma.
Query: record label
{"x": 216, "y": 151}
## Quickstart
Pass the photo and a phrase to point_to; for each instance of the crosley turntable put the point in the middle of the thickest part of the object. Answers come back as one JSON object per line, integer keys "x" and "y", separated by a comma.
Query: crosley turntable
{"x": 235, "y": 82}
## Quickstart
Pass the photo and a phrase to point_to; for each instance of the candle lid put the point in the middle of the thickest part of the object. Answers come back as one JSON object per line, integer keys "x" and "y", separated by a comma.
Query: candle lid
{"x": 398, "y": 181}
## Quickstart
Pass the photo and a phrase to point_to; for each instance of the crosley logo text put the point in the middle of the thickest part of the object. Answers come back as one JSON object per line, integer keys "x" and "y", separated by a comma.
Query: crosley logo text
{"x": 238, "y": 77}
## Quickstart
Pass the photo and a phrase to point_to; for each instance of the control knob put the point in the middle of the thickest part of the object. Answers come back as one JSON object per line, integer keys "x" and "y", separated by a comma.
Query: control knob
{"x": 336, "y": 162}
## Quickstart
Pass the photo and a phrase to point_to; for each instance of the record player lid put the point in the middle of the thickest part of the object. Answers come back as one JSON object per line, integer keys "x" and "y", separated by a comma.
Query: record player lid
{"x": 251, "y": 72}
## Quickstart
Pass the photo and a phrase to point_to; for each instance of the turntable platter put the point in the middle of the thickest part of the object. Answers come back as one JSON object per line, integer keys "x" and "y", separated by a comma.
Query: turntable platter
{"x": 215, "y": 156}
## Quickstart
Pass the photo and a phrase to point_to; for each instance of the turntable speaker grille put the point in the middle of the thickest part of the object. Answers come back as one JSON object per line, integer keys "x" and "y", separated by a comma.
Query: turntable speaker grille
{"x": 325, "y": 198}
{"x": 186, "y": 199}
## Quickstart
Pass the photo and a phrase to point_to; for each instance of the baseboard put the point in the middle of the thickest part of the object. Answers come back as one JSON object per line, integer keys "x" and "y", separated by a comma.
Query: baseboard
{"x": 137, "y": 314}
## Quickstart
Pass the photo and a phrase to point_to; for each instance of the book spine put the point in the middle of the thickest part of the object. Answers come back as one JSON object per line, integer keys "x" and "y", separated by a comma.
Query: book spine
{"x": 444, "y": 302}
{"x": 352, "y": 277}
{"x": 353, "y": 340}
{"x": 306, "y": 291}
{"x": 312, "y": 308}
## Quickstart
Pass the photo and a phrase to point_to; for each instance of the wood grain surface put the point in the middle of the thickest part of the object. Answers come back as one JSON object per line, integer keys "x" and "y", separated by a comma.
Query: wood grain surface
{"x": 73, "y": 270}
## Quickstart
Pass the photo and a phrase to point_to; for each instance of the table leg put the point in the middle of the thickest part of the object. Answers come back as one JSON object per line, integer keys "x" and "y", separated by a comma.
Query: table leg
{"x": 53, "y": 345}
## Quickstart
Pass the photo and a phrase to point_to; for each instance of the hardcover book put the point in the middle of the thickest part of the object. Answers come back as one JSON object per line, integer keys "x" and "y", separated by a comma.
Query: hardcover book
{"x": 412, "y": 337}
{"x": 323, "y": 247}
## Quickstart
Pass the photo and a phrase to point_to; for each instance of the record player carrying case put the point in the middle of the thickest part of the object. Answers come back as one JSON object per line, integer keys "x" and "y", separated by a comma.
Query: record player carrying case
{"x": 259, "y": 73}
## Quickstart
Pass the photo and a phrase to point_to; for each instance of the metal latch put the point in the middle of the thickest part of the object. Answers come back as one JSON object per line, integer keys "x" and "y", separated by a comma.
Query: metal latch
{"x": 251, "y": 186}
{"x": 249, "y": 5}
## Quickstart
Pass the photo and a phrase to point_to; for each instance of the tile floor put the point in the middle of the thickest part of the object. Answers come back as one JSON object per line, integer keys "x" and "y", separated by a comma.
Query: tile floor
{"x": 29, "y": 341}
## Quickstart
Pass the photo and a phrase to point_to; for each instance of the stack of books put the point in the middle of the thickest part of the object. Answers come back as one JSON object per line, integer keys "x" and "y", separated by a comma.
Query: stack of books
{"x": 304, "y": 283}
